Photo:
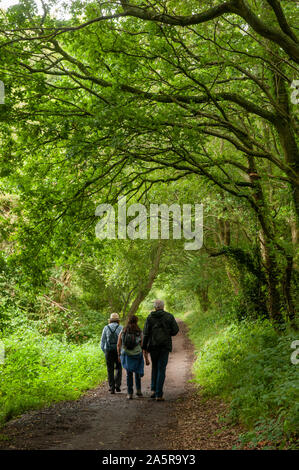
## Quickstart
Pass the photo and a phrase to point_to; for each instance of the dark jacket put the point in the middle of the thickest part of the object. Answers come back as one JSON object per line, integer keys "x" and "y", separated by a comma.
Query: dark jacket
{"x": 170, "y": 324}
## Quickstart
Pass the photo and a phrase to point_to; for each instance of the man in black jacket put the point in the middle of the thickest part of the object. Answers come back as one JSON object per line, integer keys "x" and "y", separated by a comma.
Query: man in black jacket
{"x": 159, "y": 327}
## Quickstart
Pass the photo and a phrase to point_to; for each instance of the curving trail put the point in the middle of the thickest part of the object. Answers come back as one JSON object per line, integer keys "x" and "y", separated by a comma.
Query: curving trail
{"x": 101, "y": 421}
{"x": 118, "y": 423}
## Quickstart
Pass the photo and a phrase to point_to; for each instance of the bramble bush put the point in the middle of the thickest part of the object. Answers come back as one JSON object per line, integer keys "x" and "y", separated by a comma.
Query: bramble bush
{"x": 248, "y": 364}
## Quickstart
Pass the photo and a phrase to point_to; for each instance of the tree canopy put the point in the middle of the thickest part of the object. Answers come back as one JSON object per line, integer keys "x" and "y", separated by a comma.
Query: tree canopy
{"x": 124, "y": 97}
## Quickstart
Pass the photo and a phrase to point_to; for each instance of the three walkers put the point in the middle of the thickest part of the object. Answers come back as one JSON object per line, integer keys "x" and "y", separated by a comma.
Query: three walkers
{"x": 128, "y": 348}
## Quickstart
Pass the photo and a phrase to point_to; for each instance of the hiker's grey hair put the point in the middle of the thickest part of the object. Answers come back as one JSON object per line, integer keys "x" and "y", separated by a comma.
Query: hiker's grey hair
{"x": 158, "y": 304}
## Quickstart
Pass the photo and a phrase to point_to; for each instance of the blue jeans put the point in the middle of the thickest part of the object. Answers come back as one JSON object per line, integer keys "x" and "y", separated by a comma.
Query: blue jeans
{"x": 159, "y": 362}
{"x": 130, "y": 381}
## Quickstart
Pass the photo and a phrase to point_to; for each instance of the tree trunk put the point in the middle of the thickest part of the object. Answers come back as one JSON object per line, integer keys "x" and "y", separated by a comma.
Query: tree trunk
{"x": 232, "y": 280}
{"x": 65, "y": 281}
{"x": 287, "y": 291}
{"x": 225, "y": 238}
{"x": 268, "y": 248}
{"x": 203, "y": 295}
{"x": 290, "y": 149}
{"x": 126, "y": 302}
{"x": 285, "y": 129}
{"x": 272, "y": 272}
{"x": 144, "y": 291}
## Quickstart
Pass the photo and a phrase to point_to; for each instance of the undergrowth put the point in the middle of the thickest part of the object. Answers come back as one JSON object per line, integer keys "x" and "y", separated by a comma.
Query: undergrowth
{"x": 39, "y": 370}
{"x": 248, "y": 364}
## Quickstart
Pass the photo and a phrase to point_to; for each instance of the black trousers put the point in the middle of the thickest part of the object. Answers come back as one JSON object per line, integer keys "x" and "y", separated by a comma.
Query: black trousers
{"x": 112, "y": 362}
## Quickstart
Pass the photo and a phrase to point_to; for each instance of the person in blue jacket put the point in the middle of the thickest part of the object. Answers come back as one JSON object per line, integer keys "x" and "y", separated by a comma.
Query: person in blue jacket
{"x": 131, "y": 356}
{"x": 109, "y": 347}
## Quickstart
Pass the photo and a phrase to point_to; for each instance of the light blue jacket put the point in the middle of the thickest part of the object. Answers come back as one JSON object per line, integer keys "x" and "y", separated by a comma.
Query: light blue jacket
{"x": 106, "y": 334}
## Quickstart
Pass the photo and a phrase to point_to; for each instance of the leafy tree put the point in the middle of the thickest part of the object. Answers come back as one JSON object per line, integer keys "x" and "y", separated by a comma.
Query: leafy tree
{"x": 122, "y": 97}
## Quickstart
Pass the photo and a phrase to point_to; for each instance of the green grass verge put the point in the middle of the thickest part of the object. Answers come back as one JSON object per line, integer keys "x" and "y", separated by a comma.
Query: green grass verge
{"x": 39, "y": 370}
{"x": 248, "y": 364}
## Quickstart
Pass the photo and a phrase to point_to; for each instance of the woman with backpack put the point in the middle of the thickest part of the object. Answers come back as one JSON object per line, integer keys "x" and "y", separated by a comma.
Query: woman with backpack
{"x": 129, "y": 348}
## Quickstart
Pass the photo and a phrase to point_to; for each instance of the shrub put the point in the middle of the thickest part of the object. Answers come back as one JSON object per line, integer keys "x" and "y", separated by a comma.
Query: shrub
{"x": 40, "y": 370}
{"x": 248, "y": 364}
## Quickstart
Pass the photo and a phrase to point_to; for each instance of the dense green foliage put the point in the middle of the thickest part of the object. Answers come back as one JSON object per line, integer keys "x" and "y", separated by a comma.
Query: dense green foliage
{"x": 40, "y": 370}
{"x": 249, "y": 365}
{"x": 50, "y": 354}
{"x": 118, "y": 99}
{"x": 164, "y": 102}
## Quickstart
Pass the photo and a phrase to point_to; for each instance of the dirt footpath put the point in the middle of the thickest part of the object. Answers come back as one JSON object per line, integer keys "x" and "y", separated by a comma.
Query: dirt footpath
{"x": 101, "y": 421}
